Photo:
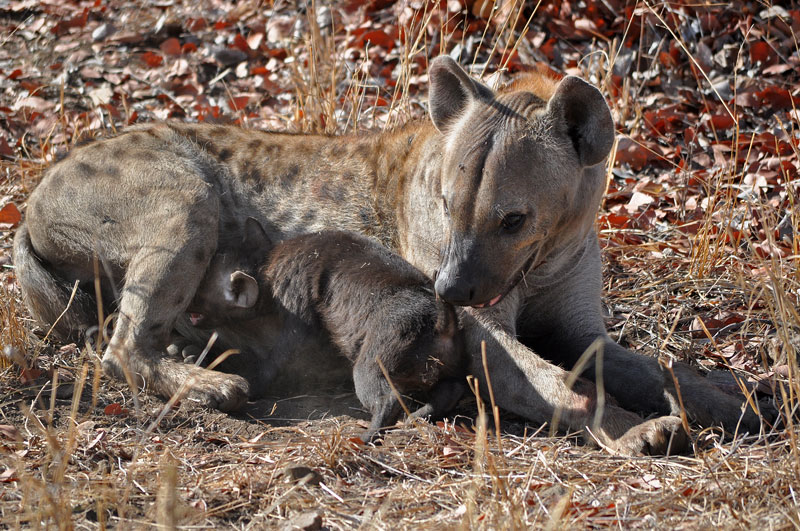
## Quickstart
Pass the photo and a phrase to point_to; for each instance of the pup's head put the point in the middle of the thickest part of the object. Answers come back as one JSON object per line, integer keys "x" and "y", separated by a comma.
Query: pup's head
{"x": 229, "y": 291}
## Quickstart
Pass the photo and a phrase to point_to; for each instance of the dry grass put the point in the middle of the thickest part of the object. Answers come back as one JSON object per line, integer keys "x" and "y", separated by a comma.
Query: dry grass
{"x": 86, "y": 469}
{"x": 65, "y": 463}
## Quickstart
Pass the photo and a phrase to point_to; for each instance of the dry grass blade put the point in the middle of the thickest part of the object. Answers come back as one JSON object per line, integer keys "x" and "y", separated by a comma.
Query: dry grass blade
{"x": 593, "y": 352}
{"x": 167, "y": 497}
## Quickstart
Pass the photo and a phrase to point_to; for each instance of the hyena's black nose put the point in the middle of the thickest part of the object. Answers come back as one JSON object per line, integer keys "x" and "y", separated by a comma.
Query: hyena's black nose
{"x": 456, "y": 293}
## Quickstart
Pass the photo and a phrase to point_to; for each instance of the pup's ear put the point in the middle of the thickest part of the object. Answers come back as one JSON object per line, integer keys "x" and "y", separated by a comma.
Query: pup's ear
{"x": 450, "y": 91}
{"x": 255, "y": 239}
{"x": 243, "y": 290}
{"x": 583, "y": 111}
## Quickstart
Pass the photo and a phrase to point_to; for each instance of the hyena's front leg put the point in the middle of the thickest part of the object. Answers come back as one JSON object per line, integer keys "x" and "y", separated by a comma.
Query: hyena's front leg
{"x": 530, "y": 386}
{"x": 566, "y": 319}
{"x": 161, "y": 279}
{"x": 641, "y": 383}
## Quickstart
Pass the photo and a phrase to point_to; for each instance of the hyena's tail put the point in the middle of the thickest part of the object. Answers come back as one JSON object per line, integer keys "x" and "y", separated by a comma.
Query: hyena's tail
{"x": 48, "y": 296}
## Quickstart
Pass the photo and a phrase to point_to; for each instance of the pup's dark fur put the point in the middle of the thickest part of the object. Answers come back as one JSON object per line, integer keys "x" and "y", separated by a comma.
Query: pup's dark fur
{"x": 368, "y": 302}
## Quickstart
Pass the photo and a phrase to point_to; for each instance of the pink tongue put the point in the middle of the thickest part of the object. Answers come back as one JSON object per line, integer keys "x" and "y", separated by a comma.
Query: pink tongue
{"x": 195, "y": 318}
{"x": 490, "y": 303}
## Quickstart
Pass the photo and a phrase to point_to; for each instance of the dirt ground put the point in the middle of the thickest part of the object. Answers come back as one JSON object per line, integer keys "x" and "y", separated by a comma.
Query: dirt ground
{"x": 103, "y": 455}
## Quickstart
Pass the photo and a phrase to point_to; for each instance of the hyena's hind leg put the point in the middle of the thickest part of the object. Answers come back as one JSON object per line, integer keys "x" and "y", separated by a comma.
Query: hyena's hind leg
{"x": 161, "y": 278}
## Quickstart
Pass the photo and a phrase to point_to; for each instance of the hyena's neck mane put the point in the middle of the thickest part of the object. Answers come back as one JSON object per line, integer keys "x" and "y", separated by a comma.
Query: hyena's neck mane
{"x": 541, "y": 84}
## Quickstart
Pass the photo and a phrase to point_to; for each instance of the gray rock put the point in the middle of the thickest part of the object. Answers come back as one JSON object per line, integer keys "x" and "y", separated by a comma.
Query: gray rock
{"x": 308, "y": 521}
{"x": 295, "y": 474}
{"x": 229, "y": 56}
{"x": 103, "y": 31}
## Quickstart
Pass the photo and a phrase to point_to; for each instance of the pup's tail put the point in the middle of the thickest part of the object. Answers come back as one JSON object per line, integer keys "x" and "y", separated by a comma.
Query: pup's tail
{"x": 48, "y": 296}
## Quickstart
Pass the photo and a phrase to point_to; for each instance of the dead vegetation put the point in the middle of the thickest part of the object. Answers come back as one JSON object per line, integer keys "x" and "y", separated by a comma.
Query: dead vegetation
{"x": 700, "y": 229}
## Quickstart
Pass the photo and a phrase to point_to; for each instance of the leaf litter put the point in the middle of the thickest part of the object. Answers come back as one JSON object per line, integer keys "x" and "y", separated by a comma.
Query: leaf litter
{"x": 699, "y": 229}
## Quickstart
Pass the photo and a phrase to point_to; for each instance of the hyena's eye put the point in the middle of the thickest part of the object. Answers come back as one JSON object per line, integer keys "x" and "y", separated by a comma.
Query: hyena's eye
{"x": 511, "y": 223}
{"x": 444, "y": 205}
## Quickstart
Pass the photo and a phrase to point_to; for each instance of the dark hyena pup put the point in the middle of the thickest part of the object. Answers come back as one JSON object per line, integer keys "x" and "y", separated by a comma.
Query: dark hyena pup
{"x": 369, "y": 304}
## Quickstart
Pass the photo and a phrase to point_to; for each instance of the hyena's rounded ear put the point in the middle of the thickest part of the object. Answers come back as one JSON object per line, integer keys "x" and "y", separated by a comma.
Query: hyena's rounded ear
{"x": 587, "y": 120}
{"x": 450, "y": 91}
{"x": 243, "y": 290}
{"x": 255, "y": 237}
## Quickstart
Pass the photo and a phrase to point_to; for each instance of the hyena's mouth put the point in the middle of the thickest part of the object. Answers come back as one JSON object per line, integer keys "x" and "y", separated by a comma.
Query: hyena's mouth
{"x": 493, "y": 301}
{"x": 530, "y": 264}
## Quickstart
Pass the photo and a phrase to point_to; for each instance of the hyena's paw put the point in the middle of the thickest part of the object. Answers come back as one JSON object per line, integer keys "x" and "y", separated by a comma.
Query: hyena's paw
{"x": 115, "y": 367}
{"x": 659, "y": 436}
{"x": 165, "y": 377}
{"x": 217, "y": 390}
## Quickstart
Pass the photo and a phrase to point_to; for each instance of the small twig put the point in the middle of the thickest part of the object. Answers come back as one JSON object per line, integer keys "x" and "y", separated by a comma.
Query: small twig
{"x": 495, "y": 409}
{"x": 393, "y": 388}
{"x": 69, "y": 303}
{"x": 395, "y": 470}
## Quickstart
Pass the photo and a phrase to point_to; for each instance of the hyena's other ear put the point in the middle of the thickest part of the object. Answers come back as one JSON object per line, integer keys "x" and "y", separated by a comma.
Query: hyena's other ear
{"x": 255, "y": 239}
{"x": 583, "y": 110}
{"x": 243, "y": 290}
{"x": 450, "y": 91}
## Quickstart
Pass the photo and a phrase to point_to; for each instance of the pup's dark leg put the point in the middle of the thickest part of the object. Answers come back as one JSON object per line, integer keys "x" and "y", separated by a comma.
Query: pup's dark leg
{"x": 442, "y": 398}
{"x": 375, "y": 394}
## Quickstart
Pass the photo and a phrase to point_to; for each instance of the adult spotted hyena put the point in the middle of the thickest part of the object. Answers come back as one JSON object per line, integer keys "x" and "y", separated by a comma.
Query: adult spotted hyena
{"x": 494, "y": 196}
